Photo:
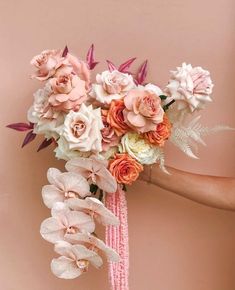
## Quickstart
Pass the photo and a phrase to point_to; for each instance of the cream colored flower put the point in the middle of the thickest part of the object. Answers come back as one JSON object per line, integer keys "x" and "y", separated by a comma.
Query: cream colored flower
{"x": 111, "y": 86}
{"x": 82, "y": 129}
{"x": 138, "y": 148}
{"x": 191, "y": 87}
{"x": 62, "y": 151}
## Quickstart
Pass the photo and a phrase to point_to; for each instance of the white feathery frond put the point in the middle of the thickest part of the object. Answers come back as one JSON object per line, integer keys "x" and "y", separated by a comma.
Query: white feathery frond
{"x": 187, "y": 138}
{"x": 161, "y": 159}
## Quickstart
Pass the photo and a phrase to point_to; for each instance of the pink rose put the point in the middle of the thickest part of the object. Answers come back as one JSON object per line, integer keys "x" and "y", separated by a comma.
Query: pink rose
{"x": 112, "y": 86}
{"x": 190, "y": 87}
{"x": 80, "y": 68}
{"x": 69, "y": 91}
{"x": 143, "y": 110}
{"x": 109, "y": 137}
{"x": 48, "y": 62}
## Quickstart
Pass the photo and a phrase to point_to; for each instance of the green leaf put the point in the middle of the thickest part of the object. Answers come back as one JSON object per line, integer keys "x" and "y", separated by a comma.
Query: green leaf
{"x": 93, "y": 188}
{"x": 162, "y": 97}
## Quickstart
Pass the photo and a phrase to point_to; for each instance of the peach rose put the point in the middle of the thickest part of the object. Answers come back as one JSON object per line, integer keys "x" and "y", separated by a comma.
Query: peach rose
{"x": 115, "y": 117}
{"x": 109, "y": 137}
{"x": 48, "y": 62}
{"x": 80, "y": 68}
{"x": 124, "y": 168}
{"x": 143, "y": 110}
{"x": 68, "y": 91}
{"x": 160, "y": 134}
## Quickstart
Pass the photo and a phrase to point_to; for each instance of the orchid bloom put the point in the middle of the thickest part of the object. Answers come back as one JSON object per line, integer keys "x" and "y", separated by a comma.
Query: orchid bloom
{"x": 93, "y": 243}
{"x": 64, "y": 185}
{"x": 74, "y": 260}
{"x": 95, "y": 208}
{"x": 95, "y": 170}
{"x": 65, "y": 221}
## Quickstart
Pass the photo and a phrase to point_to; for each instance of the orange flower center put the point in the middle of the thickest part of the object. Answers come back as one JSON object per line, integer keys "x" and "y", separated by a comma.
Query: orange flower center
{"x": 82, "y": 265}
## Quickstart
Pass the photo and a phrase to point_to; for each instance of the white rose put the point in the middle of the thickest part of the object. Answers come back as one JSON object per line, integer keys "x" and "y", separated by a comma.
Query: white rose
{"x": 46, "y": 122}
{"x": 50, "y": 128}
{"x": 62, "y": 151}
{"x": 190, "y": 87}
{"x": 138, "y": 148}
{"x": 111, "y": 86}
{"x": 82, "y": 129}
{"x": 40, "y": 101}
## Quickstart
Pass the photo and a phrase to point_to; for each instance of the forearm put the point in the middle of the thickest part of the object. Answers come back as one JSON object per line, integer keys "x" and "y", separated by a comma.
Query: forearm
{"x": 213, "y": 191}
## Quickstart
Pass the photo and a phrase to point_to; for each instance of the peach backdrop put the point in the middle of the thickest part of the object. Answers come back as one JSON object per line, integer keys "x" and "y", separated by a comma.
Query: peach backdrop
{"x": 175, "y": 244}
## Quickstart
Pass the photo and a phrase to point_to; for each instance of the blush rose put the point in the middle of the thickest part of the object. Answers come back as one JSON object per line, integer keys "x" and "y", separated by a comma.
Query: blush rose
{"x": 112, "y": 86}
{"x": 143, "y": 110}
{"x": 82, "y": 129}
{"x": 69, "y": 91}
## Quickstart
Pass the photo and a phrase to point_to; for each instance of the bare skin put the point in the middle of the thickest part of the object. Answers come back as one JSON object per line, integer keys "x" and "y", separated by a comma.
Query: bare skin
{"x": 213, "y": 191}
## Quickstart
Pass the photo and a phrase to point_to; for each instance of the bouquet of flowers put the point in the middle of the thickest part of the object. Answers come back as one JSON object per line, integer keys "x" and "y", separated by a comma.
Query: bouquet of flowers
{"x": 106, "y": 129}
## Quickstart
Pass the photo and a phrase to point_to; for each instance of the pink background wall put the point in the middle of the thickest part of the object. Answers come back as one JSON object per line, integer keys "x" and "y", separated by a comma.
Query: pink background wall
{"x": 175, "y": 244}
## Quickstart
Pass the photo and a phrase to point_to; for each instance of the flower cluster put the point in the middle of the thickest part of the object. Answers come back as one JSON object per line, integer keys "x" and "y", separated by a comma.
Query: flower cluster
{"x": 107, "y": 127}
{"x": 71, "y": 227}
{"x": 117, "y": 117}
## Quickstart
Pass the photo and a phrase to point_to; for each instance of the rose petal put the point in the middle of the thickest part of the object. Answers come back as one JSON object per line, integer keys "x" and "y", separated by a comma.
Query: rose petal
{"x": 136, "y": 120}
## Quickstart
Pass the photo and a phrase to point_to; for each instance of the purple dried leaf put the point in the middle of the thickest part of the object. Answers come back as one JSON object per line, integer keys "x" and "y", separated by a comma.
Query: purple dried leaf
{"x": 93, "y": 65}
{"x": 90, "y": 58}
{"x": 126, "y": 65}
{"x": 45, "y": 143}
{"x": 142, "y": 73}
{"x": 65, "y": 51}
{"x": 30, "y": 136}
{"x": 20, "y": 126}
{"x": 111, "y": 66}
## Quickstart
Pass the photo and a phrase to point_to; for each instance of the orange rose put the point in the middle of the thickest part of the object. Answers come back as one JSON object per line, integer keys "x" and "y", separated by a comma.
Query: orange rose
{"x": 124, "y": 168}
{"x": 115, "y": 117}
{"x": 161, "y": 134}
